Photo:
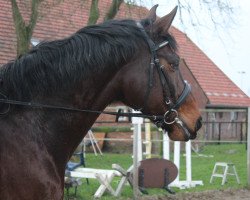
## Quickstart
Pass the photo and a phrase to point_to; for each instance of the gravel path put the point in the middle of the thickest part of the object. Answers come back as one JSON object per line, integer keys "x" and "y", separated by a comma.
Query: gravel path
{"x": 229, "y": 194}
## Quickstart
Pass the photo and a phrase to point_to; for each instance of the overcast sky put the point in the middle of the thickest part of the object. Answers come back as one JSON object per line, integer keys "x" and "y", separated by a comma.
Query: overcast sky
{"x": 228, "y": 48}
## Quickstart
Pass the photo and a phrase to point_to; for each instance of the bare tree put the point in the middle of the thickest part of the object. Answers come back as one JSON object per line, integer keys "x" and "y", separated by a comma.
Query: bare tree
{"x": 114, "y": 8}
{"x": 24, "y": 32}
{"x": 94, "y": 12}
{"x": 111, "y": 13}
{"x": 220, "y": 12}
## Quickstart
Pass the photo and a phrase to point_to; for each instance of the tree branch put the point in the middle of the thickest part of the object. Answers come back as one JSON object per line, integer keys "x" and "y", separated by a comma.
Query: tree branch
{"x": 17, "y": 17}
{"x": 24, "y": 32}
{"x": 93, "y": 13}
{"x": 34, "y": 16}
{"x": 113, "y": 9}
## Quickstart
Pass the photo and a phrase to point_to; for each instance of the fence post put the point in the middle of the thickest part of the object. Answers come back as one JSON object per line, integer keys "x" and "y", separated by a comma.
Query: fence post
{"x": 137, "y": 153}
{"x": 248, "y": 146}
{"x": 188, "y": 163}
{"x": 166, "y": 146}
{"x": 177, "y": 149}
{"x": 219, "y": 129}
{"x": 148, "y": 143}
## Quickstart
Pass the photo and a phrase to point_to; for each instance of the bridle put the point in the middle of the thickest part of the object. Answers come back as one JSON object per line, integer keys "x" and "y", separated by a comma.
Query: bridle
{"x": 159, "y": 120}
{"x": 155, "y": 62}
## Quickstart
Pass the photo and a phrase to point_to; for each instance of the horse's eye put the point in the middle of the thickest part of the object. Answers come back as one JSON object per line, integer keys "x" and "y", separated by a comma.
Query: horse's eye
{"x": 175, "y": 66}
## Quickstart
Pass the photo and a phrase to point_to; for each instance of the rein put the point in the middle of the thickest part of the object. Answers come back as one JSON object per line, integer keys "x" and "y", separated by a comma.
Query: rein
{"x": 72, "y": 109}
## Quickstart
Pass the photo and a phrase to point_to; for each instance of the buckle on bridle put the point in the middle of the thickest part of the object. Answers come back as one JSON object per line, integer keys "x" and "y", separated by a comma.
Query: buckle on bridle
{"x": 168, "y": 102}
{"x": 168, "y": 116}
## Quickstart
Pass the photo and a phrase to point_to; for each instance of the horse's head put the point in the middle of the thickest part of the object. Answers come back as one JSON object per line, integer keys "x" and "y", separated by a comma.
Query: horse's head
{"x": 155, "y": 85}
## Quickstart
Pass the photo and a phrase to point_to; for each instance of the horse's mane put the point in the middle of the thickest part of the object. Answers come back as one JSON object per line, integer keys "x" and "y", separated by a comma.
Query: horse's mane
{"x": 55, "y": 65}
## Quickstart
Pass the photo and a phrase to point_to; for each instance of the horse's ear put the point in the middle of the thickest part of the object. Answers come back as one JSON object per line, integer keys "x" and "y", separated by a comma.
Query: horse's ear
{"x": 152, "y": 13}
{"x": 164, "y": 23}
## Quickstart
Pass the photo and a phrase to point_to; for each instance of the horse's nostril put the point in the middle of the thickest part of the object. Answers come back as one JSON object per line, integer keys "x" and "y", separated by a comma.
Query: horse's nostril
{"x": 198, "y": 124}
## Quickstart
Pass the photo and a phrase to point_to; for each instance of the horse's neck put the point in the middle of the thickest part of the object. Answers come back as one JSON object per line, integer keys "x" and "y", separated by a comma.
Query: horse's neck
{"x": 70, "y": 127}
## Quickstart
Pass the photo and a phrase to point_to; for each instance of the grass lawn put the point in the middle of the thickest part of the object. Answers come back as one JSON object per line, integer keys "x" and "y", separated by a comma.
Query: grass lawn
{"x": 201, "y": 170}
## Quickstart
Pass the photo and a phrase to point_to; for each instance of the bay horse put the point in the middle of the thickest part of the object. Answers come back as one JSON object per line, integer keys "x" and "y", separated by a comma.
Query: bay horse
{"x": 41, "y": 92}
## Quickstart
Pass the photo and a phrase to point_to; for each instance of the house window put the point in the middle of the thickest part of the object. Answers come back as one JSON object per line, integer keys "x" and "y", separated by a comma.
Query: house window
{"x": 220, "y": 115}
{"x": 34, "y": 42}
{"x": 211, "y": 116}
{"x": 233, "y": 116}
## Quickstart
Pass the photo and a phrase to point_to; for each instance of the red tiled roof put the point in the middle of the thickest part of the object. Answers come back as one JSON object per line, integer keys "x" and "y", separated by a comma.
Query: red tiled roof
{"x": 57, "y": 21}
{"x": 65, "y": 18}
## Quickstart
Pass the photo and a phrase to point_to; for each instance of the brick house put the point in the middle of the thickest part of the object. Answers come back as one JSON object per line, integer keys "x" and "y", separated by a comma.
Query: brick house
{"x": 212, "y": 88}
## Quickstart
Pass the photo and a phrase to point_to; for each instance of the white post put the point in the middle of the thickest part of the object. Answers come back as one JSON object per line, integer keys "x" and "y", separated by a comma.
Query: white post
{"x": 177, "y": 158}
{"x": 148, "y": 143}
{"x": 166, "y": 146}
{"x": 137, "y": 153}
{"x": 188, "y": 182}
{"x": 139, "y": 141}
{"x": 188, "y": 162}
{"x": 248, "y": 146}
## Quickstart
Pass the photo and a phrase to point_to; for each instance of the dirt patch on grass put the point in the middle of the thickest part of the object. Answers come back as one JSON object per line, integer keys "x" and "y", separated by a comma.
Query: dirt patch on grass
{"x": 229, "y": 194}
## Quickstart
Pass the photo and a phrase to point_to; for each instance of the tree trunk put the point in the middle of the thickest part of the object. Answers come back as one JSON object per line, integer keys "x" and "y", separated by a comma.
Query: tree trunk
{"x": 93, "y": 13}
{"x": 114, "y": 8}
{"x": 24, "y": 32}
{"x": 111, "y": 13}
